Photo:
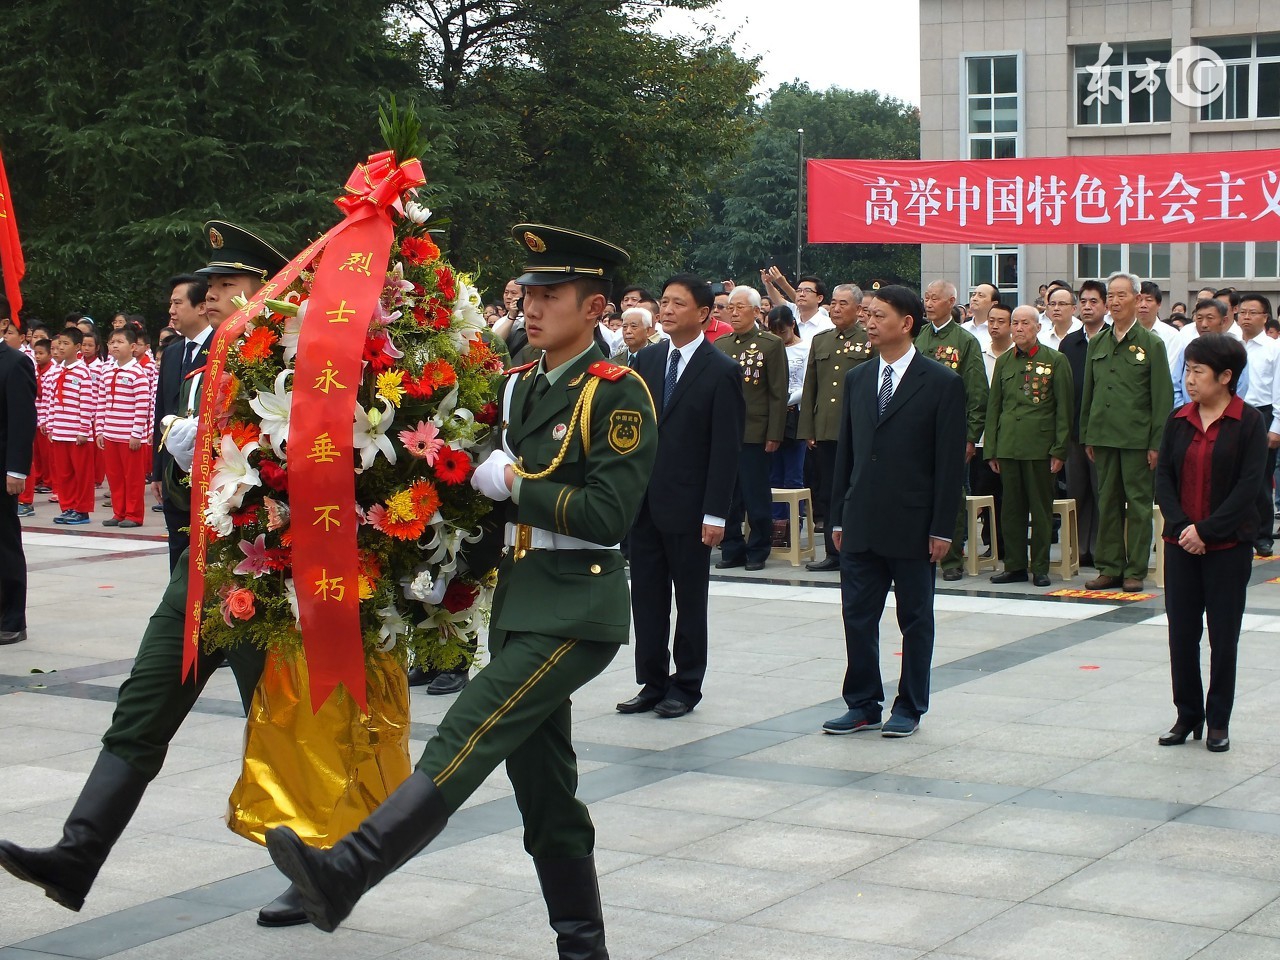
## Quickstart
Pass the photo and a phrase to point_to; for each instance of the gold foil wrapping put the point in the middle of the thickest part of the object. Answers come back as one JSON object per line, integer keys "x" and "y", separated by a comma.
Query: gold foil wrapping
{"x": 320, "y": 773}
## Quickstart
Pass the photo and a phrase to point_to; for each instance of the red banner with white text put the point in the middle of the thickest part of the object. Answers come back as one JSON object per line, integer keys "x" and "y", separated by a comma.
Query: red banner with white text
{"x": 1181, "y": 197}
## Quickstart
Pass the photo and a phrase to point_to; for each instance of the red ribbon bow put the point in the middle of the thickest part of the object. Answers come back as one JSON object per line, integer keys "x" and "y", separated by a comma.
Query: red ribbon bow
{"x": 379, "y": 182}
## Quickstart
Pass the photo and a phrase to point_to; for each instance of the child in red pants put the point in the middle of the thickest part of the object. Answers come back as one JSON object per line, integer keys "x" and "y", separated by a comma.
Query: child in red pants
{"x": 69, "y": 426}
{"x": 123, "y": 427}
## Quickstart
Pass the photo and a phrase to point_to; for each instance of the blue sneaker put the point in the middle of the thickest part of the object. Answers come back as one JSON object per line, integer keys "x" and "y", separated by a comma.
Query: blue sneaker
{"x": 852, "y": 722}
{"x": 75, "y": 518}
{"x": 899, "y": 726}
{"x": 62, "y": 517}
{"x": 26, "y": 510}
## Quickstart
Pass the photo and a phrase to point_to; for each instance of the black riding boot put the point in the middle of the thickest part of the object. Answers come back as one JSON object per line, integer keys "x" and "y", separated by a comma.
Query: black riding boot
{"x": 573, "y": 905}
{"x": 104, "y": 808}
{"x": 330, "y": 882}
{"x": 284, "y": 911}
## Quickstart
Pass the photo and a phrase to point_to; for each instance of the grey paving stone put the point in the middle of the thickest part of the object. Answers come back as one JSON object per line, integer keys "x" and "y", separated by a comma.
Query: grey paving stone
{"x": 1239, "y": 946}
{"x": 743, "y": 942}
{"x": 116, "y": 932}
{"x": 1047, "y": 831}
{"x": 811, "y": 851}
{"x": 707, "y": 891}
{"x": 1055, "y": 933}
{"x": 893, "y": 815}
{"x": 1211, "y": 849}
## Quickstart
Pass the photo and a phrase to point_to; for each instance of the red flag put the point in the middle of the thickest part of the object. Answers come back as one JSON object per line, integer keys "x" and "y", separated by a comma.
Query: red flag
{"x": 11, "y": 261}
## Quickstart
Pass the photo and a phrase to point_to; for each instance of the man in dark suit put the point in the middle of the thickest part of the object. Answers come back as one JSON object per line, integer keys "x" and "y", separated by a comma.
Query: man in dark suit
{"x": 17, "y": 438}
{"x": 181, "y": 355}
{"x": 697, "y": 391}
{"x": 900, "y": 460}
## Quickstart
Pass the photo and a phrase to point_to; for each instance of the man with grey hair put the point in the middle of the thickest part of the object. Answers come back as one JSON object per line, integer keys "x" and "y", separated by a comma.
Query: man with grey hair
{"x": 637, "y": 333}
{"x": 832, "y": 355}
{"x": 1127, "y": 398}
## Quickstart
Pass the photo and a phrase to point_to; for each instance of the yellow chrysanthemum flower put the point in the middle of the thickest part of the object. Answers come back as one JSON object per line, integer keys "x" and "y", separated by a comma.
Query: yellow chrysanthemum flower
{"x": 391, "y": 387}
{"x": 400, "y": 507}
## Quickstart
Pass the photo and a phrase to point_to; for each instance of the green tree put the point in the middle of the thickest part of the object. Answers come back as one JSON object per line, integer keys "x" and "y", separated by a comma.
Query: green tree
{"x": 753, "y": 221}
{"x": 128, "y": 123}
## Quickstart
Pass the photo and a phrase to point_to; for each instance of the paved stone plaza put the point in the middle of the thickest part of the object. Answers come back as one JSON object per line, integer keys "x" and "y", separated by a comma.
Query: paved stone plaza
{"x": 1033, "y": 815}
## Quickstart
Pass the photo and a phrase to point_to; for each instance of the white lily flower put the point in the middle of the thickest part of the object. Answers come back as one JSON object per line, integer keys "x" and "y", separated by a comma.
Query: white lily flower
{"x": 273, "y": 408}
{"x": 371, "y": 433}
{"x": 468, "y": 315}
{"x": 292, "y": 330}
{"x": 233, "y": 475}
{"x": 393, "y": 625}
{"x": 217, "y": 516}
{"x": 416, "y": 212}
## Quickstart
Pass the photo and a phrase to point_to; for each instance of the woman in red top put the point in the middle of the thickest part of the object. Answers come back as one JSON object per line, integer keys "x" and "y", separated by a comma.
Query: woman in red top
{"x": 1211, "y": 462}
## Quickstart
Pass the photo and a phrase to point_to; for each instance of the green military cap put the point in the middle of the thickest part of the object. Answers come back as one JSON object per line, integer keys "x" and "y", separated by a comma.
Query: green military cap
{"x": 557, "y": 255}
{"x": 234, "y": 250}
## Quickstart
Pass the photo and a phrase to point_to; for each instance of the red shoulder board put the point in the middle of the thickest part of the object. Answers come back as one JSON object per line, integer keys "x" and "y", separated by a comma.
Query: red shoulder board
{"x": 520, "y": 369}
{"x": 607, "y": 371}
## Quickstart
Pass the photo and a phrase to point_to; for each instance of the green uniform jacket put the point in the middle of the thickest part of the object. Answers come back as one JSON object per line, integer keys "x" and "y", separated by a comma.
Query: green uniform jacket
{"x": 1029, "y": 410}
{"x": 592, "y": 494}
{"x": 1128, "y": 393}
{"x": 832, "y": 354}
{"x": 763, "y": 359}
{"x": 960, "y": 350}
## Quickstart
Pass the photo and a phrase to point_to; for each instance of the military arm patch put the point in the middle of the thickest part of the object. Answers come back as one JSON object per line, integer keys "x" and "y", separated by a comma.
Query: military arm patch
{"x": 608, "y": 371}
{"x": 624, "y": 430}
{"x": 519, "y": 369}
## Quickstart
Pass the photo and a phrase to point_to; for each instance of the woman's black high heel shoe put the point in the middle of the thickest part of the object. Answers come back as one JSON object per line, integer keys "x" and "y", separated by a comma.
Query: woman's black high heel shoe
{"x": 1218, "y": 741}
{"x": 1178, "y": 735}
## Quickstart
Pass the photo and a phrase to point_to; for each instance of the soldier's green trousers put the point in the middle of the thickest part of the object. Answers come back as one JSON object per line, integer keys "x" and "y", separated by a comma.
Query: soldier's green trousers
{"x": 1028, "y": 489}
{"x": 154, "y": 701}
{"x": 1126, "y": 490}
{"x": 517, "y": 709}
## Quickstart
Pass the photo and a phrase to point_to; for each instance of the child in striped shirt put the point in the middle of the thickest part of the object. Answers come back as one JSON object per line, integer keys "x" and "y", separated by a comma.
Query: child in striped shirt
{"x": 122, "y": 428}
{"x": 68, "y": 424}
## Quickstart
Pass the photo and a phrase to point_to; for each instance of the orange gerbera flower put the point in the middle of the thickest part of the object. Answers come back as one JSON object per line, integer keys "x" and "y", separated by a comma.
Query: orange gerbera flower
{"x": 426, "y": 499}
{"x": 410, "y": 529}
{"x": 257, "y": 346}
{"x": 242, "y": 433}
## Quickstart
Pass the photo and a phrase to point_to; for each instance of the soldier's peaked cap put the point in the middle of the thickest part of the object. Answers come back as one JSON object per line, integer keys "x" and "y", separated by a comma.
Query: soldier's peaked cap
{"x": 234, "y": 250}
{"x": 557, "y": 255}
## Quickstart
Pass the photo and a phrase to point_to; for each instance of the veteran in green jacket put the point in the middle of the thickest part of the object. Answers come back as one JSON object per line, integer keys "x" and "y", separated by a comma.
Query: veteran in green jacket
{"x": 943, "y": 340}
{"x": 832, "y": 355}
{"x": 763, "y": 360}
{"x": 578, "y": 443}
{"x": 1028, "y": 431}
{"x": 1128, "y": 394}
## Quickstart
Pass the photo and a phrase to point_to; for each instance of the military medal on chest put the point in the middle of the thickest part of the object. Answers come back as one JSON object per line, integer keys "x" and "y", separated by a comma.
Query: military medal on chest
{"x": 752, "y": 361}
{"x": 948, "y": 355}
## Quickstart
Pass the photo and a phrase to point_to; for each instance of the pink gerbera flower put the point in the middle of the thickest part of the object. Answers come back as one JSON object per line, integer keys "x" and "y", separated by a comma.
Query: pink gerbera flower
{"x": 422, "y": 442}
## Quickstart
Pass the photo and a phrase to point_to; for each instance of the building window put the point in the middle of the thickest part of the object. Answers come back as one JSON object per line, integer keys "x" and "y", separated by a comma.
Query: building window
{"x": 1252, "y": 81}
{"x": 1150, "y": 261}
{"x": 1122, "y": 84}
{"x": 1239, "y": 260}
{"x": 996, "y": 265}
{"x": 991, "y": 106}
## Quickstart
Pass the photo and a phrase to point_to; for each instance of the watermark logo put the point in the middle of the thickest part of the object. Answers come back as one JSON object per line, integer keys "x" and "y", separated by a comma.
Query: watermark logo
{"x": 1195, "y": 76}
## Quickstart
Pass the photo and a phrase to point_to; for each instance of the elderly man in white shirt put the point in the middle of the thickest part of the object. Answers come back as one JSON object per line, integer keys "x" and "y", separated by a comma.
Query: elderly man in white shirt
{"x": 1262, "y": 392}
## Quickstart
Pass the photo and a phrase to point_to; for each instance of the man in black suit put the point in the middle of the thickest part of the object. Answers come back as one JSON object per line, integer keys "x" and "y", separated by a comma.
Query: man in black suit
{"x": 697, "y": 392}
{"x": 1081, "y": 472}
{"x": 181, "y": 355}
{"x": 17, "y": 437}
{"x": 900, "y": 460}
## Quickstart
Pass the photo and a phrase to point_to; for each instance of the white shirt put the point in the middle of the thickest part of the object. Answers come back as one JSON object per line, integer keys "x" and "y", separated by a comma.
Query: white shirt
{"x": 989, "y": 358}
{"x": 820, "y": 321}
{"x": 686, "y": 354}
{"x": 1261, "y": 389}
{"x": 797, "y": 360}
{"x": 199, "y": 340}
{"x": 899, "y": 368}
{"x": 1051, "y": 339}
{"x": 978, "y": 330}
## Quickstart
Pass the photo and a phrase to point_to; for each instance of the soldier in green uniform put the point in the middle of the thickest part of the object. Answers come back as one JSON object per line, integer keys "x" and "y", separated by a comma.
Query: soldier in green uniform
{"x": 1128, "y": 394}
{"x": 578, "y": 444}
{"x": 1028, "y": 431}
{"x": 832, "y": 354}
{"x": 763, "y": 360}
{"x": 155, "y": 700}
{"x": 943, "y": 340}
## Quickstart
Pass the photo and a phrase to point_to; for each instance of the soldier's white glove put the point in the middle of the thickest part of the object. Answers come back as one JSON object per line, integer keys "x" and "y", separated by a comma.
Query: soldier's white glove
{"x": 180, "y": 440}
{"x": 490, "y": 477}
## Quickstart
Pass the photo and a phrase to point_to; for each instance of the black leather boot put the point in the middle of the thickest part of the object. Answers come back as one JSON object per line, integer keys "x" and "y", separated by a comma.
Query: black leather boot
{"x": 284, "y": 911}
{"x": 573, "y": 905}
{"x": 104, "y": 808}
{"x": 330, "y": 882}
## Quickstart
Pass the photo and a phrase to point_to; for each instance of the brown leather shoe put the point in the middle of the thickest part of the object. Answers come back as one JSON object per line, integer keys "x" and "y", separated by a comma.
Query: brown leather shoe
{"x": 1132, "y": 585}
{"x": 1103, "y": 582}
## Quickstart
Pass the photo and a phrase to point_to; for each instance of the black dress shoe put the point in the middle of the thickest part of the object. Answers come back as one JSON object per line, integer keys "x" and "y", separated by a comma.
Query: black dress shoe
{"x": 830, "y": 563}
{"x": 1218, "y": 741}
{"x": 638, "y": 704}
{"x": 12, "y": 636}
{"x": 284, "y": 911}
{"x": 1010, "y": 576}
{"x": 671, "y": 708}
{"x": 1264, "y": 548}
{"x": 730, "y": 564}
{"x": 449, "y": 681}
{"x": 956, "y": 574}
{"x": 754, "y": 565}
{"x": 1040, "y": 579}
{"x": 420, "y": 678}
{"x": 1179, "y": 732}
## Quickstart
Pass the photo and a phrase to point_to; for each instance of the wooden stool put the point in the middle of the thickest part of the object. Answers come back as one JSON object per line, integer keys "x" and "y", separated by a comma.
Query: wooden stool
{"x": 794, "y": 498}
{"x": 1068, "y": 564}
{"x": 973, "y": 559}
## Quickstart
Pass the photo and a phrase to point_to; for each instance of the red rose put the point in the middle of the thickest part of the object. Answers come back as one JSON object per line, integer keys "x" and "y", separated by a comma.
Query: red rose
{"x": 460, "y": 596}
{"x": 488, "y": 413}
{"x": 274, "y": 475}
